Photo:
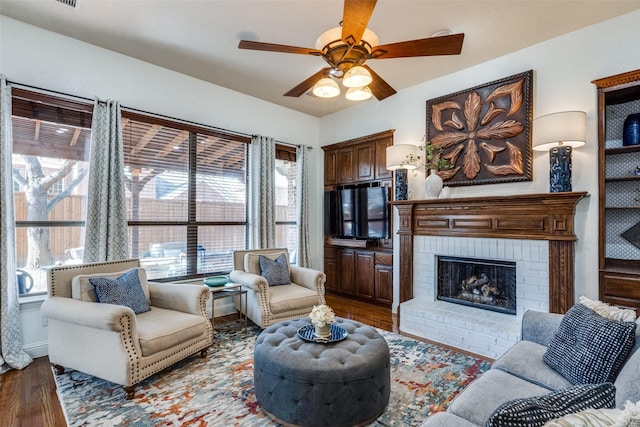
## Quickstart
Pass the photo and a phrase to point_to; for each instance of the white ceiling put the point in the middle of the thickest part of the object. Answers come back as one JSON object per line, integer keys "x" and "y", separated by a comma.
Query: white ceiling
{"x": 200, "y": 38}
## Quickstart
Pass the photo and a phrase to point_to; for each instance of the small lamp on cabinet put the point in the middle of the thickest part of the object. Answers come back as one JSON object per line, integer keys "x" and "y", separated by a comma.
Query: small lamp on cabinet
{"x": 398, "y": 161}
{"x": 559, "y": 133}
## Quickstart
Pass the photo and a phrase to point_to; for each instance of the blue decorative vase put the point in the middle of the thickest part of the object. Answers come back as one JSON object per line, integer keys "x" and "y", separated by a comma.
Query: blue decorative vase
{"x": 631, "y": 130}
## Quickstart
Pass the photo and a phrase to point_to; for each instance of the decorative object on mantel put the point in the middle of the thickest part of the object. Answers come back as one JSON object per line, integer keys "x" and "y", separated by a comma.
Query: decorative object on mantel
{"x": 631, "y": 130}
{"x": 445, "y": 193}
{"x": 485, "y": 131}
{"x": 433, "y": 184}
{"x": 432, "y": 160}
{"x": 559, "y": 133}
{"x": 321, "y": 318}
{"x": 398, "y": 160}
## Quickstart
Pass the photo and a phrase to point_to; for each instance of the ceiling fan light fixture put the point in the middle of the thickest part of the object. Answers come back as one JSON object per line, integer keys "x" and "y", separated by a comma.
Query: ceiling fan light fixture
{"x": 358, "y": 93}
{"x": 357, "y": 77}
{"x": 326, "y": 88}
{"x": 335, "y": 34}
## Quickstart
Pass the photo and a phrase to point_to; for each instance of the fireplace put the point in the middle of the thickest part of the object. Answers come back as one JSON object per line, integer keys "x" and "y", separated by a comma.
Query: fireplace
{"x": 481, "y": 283}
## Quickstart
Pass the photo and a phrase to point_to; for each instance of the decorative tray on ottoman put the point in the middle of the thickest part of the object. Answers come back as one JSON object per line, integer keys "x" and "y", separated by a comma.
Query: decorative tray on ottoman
{"x": 307, "y": 333}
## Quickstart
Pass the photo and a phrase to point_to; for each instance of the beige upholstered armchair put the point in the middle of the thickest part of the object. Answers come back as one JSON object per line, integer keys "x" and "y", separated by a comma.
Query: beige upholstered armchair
{"x": 112, "y": 342}
{"x": 267, "y": 304}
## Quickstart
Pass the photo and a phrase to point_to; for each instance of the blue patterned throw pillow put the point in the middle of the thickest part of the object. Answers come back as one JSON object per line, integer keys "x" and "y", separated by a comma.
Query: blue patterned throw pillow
{"x": 537, "y": 411}
{"x": 125, "y": 290}
{"x": 588, "y": 348}
{"x": 275, "y": 271}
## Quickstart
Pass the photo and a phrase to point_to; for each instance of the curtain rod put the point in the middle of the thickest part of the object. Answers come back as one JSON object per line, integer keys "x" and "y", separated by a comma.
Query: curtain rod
{"x": 135, "y": 110}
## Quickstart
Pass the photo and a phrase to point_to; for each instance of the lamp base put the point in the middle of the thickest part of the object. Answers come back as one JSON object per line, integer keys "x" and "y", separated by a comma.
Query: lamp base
{"x": 560, "y": 169}
{"x": 401, "y": 185}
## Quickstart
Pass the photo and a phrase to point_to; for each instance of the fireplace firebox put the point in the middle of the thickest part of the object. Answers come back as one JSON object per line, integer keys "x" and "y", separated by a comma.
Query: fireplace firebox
{"x": 481, "y": 283}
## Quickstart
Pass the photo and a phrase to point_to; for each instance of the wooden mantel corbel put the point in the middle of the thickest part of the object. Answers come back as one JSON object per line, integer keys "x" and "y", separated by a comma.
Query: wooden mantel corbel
{"x": 547, "y": 216}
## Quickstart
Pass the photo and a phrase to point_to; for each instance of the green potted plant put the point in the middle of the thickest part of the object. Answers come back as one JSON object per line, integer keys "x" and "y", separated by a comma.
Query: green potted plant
{"x": 430, "y": 157}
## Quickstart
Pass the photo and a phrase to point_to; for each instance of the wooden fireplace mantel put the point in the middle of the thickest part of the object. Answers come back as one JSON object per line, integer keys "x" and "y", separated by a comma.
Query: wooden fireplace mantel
{"x": 547, "y": 216}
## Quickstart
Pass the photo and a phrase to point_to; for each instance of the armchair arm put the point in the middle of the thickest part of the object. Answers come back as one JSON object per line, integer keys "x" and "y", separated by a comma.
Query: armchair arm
{"x": 89, "y": 314}
{"x": 307, "y": 277}
{"x": 539, "y": 327}
{"x": 255, "y": 282}
{"x": 179, "y": 297}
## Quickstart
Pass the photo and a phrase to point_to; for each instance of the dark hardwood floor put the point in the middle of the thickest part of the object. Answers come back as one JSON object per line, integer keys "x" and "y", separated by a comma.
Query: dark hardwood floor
{"x": 28, "y": 397}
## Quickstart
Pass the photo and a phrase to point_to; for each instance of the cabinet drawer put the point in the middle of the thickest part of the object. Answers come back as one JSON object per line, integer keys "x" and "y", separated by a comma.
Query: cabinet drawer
{"x": 383, "y": 258}
{"x": 620, "y": 285}
{"x": 330, "y": 252}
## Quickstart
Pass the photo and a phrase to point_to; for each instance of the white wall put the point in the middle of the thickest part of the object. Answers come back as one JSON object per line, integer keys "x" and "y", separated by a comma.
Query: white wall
{"x": 563, "y": 70}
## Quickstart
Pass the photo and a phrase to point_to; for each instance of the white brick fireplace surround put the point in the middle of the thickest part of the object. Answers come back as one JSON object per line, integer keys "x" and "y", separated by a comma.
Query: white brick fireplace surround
{"x": 533, "y": 230}
{"x": 479, "y": 331}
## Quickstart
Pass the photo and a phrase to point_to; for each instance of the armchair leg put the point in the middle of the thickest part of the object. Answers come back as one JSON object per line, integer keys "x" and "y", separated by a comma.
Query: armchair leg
{"x": 203, "y": 352}
{"x": 130, "y": 390}
{"x": 59, "y": 370}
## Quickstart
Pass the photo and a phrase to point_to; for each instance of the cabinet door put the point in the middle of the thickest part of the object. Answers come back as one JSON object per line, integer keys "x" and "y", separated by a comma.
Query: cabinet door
{"x": 364, "y": 162}
{"x": 330, "y": 167}
{"x": 346, "y": 264}
{"x": 346, "y": 165}
{"x": 384, "y": 284}
{"x": 364, "y": 277}
{"x": 381, "y": 171}
{"x": 331, "y": 271}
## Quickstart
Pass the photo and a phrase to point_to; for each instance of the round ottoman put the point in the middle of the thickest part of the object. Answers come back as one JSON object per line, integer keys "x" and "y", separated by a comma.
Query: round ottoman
{"x": 345, "y": 383}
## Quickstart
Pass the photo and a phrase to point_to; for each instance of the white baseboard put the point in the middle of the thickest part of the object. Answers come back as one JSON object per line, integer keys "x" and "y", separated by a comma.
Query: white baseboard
{"x": 37, "y": 349}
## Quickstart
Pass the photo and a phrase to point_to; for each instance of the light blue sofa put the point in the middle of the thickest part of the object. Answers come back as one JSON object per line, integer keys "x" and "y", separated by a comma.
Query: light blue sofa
{"x": 521, "y": 372}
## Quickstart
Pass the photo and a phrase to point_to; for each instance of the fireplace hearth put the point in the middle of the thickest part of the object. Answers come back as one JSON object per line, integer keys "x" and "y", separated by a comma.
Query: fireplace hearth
{"x": 481, "y": 283}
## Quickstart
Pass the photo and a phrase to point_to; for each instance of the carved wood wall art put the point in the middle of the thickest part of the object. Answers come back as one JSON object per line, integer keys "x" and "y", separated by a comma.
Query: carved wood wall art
{"x": 485, "y": 131}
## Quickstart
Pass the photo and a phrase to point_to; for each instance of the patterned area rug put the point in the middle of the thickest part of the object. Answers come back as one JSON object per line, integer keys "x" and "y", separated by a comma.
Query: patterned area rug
{"x": 218, "y": 390}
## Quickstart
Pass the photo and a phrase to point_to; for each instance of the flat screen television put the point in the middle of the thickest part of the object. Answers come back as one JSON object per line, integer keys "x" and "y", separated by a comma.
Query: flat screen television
{"x": 357, "y": 212}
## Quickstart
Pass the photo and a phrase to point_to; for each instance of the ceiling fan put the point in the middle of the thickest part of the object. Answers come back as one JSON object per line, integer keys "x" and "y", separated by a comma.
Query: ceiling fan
{"x": 347, "y": 48}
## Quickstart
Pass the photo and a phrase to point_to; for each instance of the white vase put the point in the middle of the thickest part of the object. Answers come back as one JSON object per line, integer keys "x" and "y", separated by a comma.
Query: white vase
{"x": 445, "y": 193}
{"x": 433, "y": 184}
{"x": 322, "y": 331}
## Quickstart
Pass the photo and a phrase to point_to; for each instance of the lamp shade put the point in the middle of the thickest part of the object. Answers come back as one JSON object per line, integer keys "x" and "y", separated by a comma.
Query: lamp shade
{"x": 358, "y": 93}
{"x": 398, "y": 156}
{"x": 566, "y": 128}
{"x": 357, "y": 77}
{"x": 326, "y": 88}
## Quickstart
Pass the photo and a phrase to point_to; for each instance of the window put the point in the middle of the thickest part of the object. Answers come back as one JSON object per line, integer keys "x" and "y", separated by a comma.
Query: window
{"x": 186, "y": 196}
{"x": 50, "y": 150}
{"x": 285, "y": 195}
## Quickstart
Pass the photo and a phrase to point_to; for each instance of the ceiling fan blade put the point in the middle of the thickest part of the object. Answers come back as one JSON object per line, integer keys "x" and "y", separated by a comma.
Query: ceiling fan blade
{"x": 307, "y": 84}
{"x": 378, "y": 86}
{"x": 355, "y": 19}
{"x": 441, "y": 45}
{"x": 271, "y": 47}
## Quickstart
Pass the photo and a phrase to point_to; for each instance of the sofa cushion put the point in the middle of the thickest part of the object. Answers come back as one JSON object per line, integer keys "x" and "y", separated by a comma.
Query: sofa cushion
{"x": 537, "y": 411}
{"x": 588, "y": 348}
{"x": 292, "y": 297}
{"x": 478, "y": 401}
{"x": 445, "y": 419}
{"x": 628, "y": 381}
{"x": 83, "y": 290}
{"x": 587, "y": 418}
{"x": 160, "y": 329}
{"x": 609, "y": 311}
{"x": 276, "y": 271}
{"x": 125, "y": 290}
{"x": 524, "y": 360}
{"x": 252, "y": 260}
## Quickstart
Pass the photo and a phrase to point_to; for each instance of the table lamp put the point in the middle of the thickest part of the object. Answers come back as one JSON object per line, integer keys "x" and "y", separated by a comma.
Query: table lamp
{"x": 559, "y": 133}
{"x": 398, "y": 160}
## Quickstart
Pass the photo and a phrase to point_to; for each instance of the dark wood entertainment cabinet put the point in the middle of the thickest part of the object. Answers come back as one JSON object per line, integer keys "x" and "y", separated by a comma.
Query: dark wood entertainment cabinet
{"x": 359, "y": 269}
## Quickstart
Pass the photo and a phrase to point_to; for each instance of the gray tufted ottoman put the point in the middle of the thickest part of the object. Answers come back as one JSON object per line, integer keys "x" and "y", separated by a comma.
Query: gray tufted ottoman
{"x": 345, "y": 383}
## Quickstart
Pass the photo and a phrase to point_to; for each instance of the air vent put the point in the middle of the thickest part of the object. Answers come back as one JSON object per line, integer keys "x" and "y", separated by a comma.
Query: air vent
{"x": 71, "y": 3}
